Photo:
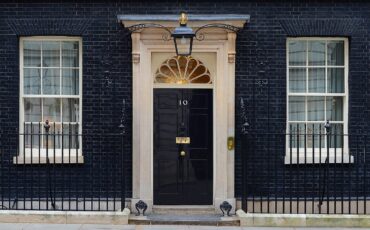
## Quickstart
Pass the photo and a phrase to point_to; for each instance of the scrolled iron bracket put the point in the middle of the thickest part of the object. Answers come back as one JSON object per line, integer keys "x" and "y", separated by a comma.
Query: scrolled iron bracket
{"x": 123, "y": 117}
{"x": 200, "y": 36}
{"x": 218, "y": 25}
{"x": 141, "y": 205}
{"x": 226, "y": 208}
{"x": 165, "y": 37}
{"x": 243, "y": 116}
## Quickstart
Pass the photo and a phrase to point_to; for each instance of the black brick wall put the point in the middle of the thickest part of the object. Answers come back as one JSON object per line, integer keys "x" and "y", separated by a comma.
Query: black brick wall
{"x": 260, "y": 56}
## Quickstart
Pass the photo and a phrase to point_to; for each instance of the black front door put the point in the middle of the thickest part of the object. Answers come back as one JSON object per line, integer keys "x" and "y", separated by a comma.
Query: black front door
{"x": 183, "y": 157}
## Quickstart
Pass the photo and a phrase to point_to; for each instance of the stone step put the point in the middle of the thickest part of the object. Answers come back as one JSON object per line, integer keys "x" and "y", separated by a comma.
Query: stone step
{"x": 184, "y": 209}
{"x": 166, "y": 219}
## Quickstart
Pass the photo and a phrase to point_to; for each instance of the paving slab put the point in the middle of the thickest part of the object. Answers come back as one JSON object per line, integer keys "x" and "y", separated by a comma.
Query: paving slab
{"x": 163, "y": 227}
{"x": 105, "y": 227}
{"x": 50, "y": 226}
{"x": 214, "y": 228}
{"x": 10, "y": 226}
{"x": 266, "y": 228}
{"x": 32, "y": 226}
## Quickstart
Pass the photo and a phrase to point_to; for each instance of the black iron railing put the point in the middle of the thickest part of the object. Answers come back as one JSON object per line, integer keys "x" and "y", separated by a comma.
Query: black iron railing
{"x": 51, "y": 166}
{"x": 312, "y": 168}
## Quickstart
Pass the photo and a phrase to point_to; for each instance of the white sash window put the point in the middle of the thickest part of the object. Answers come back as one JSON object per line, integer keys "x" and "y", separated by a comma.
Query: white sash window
{"x": 50, "y": 89}
{"x": 317, "y": 91}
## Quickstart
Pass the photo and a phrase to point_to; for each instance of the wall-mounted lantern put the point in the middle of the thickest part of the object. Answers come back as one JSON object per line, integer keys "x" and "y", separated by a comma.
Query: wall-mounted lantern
{"x": 183, "y": 37}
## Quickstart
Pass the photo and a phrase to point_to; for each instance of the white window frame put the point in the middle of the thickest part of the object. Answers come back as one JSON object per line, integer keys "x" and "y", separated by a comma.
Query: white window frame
{"x": 36, "y": 156}
{"x": 312, "y": 155}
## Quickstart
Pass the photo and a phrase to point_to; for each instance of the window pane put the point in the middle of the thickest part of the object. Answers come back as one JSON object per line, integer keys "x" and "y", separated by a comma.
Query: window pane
{"x": 336, "y": 53}
{"x": 297, "y": 53}
{"x": 315, "y": 136}
{"x": 32, "y": 81}
{"x": 32, "y": 135}
{"x": 51, "y": 81}
{"x": 32, "y": 54}
{"x": 316, "y": 80}
{"x": 315, "y": 109}
{"x": 296, "y": 108}
{"x": 70, "y": 140}
{"x": 51, "y": 109}
{"x": 316, "y": 53}
{"x": 51, "y": 54}
{"x": 336, "y": 136}
{"x": 32, "y": 110}
{"x": 70, "y": 110}
{"x": 70, "y": 54}
{"x": 334, "y": 108}
{"x": 70, "y": 82}
{"x": 297, "y": 134}
{"x": 297, "y": 80}
{"x": 335, "y": 80}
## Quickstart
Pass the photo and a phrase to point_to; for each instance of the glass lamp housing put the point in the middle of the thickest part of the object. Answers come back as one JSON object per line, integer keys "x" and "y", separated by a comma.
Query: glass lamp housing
{"x": 183, "y": 39}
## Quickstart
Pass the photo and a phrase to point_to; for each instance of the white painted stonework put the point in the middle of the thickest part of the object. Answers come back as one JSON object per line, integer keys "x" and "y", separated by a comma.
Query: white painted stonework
{"x": 217, "y": 51}
{"x": 64, "y": 217}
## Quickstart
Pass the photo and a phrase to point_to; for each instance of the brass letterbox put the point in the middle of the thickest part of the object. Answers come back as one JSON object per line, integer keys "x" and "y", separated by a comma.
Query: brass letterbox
{"x": 182, "y": 140}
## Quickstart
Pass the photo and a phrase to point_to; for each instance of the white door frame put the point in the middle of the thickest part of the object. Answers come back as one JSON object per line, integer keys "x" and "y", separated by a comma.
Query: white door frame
{"x": 218, "y": 41}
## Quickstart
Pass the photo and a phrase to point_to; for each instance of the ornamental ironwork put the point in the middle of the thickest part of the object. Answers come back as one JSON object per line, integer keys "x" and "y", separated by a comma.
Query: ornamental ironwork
{"x": 141, "y": 207}
{"x": 226, "y": 208}
{"x": 167, "y": 32}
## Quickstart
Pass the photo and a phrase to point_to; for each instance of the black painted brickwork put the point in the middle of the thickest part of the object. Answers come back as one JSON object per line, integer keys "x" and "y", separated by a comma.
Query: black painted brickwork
{"x": 260, "y": 56}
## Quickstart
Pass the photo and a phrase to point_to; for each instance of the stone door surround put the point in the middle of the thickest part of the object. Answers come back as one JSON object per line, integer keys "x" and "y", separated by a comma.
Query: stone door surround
{"x": 218, "y": 41}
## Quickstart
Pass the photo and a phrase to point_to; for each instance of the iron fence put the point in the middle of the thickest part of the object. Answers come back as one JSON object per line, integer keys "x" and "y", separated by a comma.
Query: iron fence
{"x": 310, "y": 169}
{"x": 55, "y": 167}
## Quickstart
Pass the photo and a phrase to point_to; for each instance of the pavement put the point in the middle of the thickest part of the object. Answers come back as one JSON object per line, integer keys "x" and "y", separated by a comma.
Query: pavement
{"x": 10, "y": 226}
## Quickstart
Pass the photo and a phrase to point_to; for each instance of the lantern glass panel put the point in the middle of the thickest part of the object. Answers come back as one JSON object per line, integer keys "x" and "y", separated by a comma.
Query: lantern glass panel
{"x": 183, "y": 46}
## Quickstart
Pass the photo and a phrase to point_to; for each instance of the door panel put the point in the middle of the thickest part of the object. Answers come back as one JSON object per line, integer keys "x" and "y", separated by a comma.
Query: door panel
{"x": 184, "y": 179}
{"x": 201, "y": 139}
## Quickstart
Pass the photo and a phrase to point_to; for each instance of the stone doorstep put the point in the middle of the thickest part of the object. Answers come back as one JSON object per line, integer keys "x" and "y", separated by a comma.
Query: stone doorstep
{"x": 302, "y": 220}
{"x": 64, "y": 217}
{"x": 175, "y": 219}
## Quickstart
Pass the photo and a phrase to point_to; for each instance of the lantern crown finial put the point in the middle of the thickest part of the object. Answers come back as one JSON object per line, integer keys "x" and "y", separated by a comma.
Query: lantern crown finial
{"x": 183, "y": 20}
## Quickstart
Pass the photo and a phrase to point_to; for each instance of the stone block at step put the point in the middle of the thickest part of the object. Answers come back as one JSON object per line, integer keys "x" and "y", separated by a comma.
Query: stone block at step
{"x": 184, "y": 209}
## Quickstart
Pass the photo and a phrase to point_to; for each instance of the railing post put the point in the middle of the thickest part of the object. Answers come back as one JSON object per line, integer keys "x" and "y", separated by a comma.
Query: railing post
{"x": 244, "y": 152}
{"x": 47, "y": 128}
{"x": 122, "y": 134}
{"x": 1, "y": 168}
{"x": 123, "y": 179}
{"x": 244, "y": 146}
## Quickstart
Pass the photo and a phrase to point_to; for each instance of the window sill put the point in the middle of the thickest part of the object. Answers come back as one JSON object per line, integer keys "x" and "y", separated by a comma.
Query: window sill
{"x": 20, "y": 160}
{"x": 294, "y": 159}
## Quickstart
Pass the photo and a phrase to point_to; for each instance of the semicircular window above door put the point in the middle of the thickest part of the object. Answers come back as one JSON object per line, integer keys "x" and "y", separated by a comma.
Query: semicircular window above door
{"x": 183, "y": 70}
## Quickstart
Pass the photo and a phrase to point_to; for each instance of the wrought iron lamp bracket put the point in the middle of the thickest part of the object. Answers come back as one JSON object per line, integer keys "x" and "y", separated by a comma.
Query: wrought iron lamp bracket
{"x": 165, "y": 37}
{"x": 198, "y": 35}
